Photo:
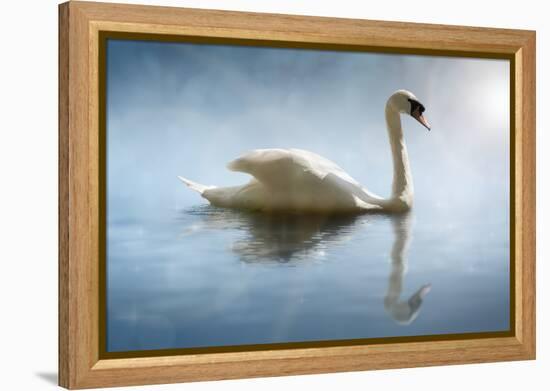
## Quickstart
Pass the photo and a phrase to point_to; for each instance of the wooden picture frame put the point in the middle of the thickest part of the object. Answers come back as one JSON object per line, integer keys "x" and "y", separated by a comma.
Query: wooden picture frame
{"x": 81, "y": 25}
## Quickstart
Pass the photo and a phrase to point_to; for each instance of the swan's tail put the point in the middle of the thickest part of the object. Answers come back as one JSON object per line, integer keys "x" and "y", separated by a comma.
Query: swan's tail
{"x": 195, "y": 186}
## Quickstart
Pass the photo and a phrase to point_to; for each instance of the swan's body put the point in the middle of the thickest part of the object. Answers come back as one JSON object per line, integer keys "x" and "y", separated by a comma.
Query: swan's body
{"x": 291, "y": 179}
{"x": 298, "y": 180}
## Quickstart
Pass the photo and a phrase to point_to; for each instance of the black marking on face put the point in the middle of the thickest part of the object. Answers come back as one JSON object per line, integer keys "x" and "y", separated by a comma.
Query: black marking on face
{"x": 416, "y": 105}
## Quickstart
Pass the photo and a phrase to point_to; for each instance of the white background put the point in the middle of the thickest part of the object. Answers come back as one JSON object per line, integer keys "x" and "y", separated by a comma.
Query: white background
{"x": 28, "y": 197}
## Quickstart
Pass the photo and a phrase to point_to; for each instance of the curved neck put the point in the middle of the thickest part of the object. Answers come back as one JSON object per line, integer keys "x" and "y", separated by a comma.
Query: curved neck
{"x": 402, "y": 187}
{"x": 399, "y": 310}
{"x": 404, "y": 311}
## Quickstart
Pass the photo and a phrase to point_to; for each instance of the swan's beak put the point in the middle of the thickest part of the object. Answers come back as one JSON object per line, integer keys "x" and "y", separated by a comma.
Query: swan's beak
{"x": 422, "y": 292}
{"x": 417, "y": 115}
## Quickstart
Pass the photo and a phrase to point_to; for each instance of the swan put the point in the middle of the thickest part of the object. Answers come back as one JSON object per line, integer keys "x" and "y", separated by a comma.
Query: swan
{"x": 302, "y": 181}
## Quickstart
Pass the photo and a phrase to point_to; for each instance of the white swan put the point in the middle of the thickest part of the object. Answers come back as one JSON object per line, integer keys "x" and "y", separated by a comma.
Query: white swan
{"x": 298, "y": 180}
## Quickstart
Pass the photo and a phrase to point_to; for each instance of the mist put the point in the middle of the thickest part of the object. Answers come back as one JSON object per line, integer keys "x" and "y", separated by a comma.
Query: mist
{"x": 188, "y": 109}
{"x": 181, "y": 274}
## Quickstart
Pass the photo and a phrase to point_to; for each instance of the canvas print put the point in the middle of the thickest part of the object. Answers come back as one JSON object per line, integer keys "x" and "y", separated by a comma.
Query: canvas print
{"x": 269, "y": 196}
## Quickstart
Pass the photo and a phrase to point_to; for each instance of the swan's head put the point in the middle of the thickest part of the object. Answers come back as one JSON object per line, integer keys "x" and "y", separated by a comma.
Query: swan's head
{"x": 405, "y": 312}
{"x": 405, "y": 102}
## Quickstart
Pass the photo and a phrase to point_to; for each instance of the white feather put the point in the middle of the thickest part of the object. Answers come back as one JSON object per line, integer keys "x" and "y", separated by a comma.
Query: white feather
{"x": 299, "y": 180}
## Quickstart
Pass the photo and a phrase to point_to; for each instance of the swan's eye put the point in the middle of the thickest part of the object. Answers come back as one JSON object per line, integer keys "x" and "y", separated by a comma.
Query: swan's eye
{"x": 416, "y": 105}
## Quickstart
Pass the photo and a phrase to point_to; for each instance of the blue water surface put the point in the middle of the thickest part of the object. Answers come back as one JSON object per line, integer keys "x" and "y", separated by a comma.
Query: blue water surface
{"x": 214, "y": 277}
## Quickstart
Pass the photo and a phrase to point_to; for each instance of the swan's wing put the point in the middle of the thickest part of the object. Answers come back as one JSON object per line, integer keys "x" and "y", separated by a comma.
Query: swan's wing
{"x": 320, "y": 166}
{"x": 349, "y": 193}
{"x": 323, "y": 167}
{"x": 283, "y": 167}
{"x": 267, "y": 164}
{"x": 275, "y": 168}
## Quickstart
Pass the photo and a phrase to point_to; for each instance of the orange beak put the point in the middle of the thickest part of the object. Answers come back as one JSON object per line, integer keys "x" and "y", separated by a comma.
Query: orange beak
{"x": 417, "y": 115}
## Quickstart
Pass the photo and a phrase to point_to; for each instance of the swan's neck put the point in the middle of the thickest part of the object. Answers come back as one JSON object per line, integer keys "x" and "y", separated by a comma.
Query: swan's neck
{"x": 399, "y": 310}
{"x": 402, "y": 187}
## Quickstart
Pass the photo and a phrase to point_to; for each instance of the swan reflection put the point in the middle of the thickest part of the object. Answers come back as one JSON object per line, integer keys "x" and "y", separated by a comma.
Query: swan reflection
{"x": 403, "y": 312}
{"x": 278, "y": 238}
{"x": 295, "y": 238}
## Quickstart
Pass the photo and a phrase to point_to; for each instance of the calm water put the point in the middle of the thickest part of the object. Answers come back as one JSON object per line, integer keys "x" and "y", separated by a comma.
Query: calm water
{"x": 205, "y": 276}
{"x": 181, "y": 274}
